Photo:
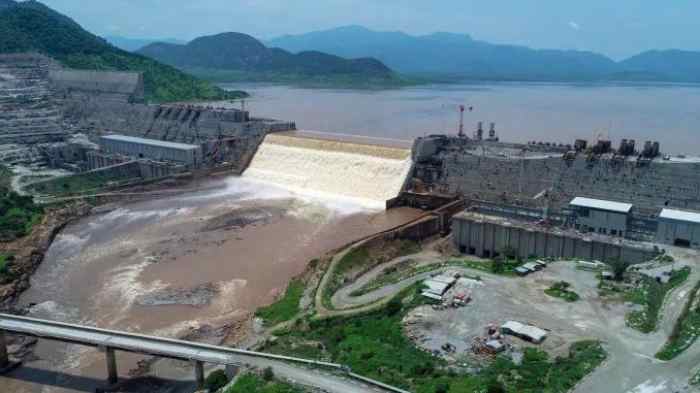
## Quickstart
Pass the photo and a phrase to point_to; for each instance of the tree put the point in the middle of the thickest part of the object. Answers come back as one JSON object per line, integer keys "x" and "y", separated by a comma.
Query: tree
{"x": 498, "y": 265}
{"x": 496, "y": 387}
{"x": 394, "y": 307}
{"x": 216, "y": 380}
{"x": 442, "y": 387}
{"x": 619, "y": 267}
{"x": 509, "y": 252}
{"x": 268, "y": 374}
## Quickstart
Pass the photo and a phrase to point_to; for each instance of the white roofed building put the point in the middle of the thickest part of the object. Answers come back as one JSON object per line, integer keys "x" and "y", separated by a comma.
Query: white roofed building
{"x": 678, "y": 227}
{"x": 601, "y": 216}
{"x": 526, "y": 332}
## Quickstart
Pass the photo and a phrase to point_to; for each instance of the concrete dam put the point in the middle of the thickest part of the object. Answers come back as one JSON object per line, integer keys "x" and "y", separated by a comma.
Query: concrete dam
{"x": 363, "y": 170}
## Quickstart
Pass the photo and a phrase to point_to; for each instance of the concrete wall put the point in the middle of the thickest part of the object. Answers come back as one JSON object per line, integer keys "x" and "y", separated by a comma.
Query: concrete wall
{"x": 487, "y": 239}
{"x": 515, "y": 181}
{"x": 670, "y": 231}
{"x": 120, "y": 86}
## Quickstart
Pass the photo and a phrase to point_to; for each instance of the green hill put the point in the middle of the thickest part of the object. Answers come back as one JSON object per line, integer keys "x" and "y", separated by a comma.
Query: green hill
{"x": 31, "y": 26}
{"x": 233, "y": 56}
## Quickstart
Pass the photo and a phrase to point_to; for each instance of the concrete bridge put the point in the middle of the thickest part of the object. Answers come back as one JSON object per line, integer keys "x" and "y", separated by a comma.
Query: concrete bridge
{"x": 109, "y": 342}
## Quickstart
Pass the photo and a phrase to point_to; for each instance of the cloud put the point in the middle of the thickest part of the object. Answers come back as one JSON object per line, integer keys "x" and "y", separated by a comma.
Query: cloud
{"x": 574, "y": 25}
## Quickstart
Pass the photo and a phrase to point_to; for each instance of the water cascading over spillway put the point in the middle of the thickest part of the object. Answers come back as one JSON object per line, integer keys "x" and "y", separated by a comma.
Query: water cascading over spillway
{"x": 366, "y": 173}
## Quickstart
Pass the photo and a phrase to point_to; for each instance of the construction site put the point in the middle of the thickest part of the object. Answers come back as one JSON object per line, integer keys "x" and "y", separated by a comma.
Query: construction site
{"x": 514, "y": 250}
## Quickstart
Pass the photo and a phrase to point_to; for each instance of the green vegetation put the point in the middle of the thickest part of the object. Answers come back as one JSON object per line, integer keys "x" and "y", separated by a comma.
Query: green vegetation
{"x": 216, "y": 380}
{"x": 500, "y": 266}
{"x": 285, "y": 308}
{"x": 18, "y": 214}
{"x": 361, "y": 259}
{"x": 619, "y": 267}
{"x": 686, "y": 330}
{"x": 650, "y": 294}
{"x": 561, "y": 290}
{"x": 252, "y": 383}
{"x": 31, "y": 26}
{"x": 373, "y": 345}
{"x": 237, "y": 57}
{"x": 3, "y": 266}
{"x": 80, "y": 183}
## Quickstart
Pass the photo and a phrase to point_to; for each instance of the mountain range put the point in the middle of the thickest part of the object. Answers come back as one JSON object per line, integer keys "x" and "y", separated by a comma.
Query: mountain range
{"x": 134, "y": 44}
{"x": 461, "y": 56}
{"x": 32, "y": 26}
{"x": 237, "y": 52}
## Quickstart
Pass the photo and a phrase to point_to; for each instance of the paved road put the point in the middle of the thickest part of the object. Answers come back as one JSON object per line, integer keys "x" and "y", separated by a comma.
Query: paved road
{"x": 631, "y": 366}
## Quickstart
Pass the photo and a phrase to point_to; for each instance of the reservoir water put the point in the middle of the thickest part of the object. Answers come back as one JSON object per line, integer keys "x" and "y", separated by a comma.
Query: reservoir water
{"x": 669, "y": 113}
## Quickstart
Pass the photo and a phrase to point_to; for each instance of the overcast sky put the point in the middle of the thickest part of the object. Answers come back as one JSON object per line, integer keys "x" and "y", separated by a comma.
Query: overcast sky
{"x": 617, "y": 28}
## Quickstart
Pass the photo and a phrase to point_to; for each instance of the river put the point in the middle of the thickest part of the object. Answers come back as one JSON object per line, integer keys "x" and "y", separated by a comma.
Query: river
{"x": 179, "y": 266}
{"x": 522, "y": 112}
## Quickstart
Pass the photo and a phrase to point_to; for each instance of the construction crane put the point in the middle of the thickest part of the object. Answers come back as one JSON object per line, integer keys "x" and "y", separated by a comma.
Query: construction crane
{"x": 462, "y": 108}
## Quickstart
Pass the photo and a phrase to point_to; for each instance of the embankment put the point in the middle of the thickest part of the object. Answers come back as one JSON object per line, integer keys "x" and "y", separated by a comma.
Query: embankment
{"x": 28, "y": 252}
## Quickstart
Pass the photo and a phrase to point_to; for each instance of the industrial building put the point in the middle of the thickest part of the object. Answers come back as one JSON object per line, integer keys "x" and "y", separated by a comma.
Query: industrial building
{"x": 526, "y": 332}
{"x": 180, "y": 153}
{"x": 601, "y": 216}
{"x": 438, "y": 285}
{"x": 489, "y": 236}
{"x": 679, "y": 228}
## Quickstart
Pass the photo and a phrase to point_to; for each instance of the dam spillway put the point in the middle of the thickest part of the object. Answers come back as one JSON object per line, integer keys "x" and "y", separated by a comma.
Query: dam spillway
{"x": 364, "y": 170}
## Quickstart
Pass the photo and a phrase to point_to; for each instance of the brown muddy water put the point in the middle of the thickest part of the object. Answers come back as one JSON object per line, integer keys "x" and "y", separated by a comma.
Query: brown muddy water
{"x": 170, "y": 266}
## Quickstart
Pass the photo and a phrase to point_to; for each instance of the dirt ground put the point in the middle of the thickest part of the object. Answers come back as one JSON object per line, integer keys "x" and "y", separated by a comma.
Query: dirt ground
{"x": 496, "y": 300}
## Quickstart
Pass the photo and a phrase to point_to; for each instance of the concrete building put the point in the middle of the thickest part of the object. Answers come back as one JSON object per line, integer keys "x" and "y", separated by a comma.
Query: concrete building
{"x": 601, "y": 216}
{"x": 488, "y": 236}
{"x": 181, "y": 153}
{"x": 679, "y": 228}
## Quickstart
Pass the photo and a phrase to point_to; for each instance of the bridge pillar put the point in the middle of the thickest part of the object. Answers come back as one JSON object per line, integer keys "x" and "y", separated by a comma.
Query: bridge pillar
{"x": 111, "y": 358}
{"x": 231, "y": 371}
{"x": 4, "y": 358}
{"x": 199, "y": 374}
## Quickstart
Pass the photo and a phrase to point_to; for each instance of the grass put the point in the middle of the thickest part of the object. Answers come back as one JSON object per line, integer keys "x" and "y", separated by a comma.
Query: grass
{"x": 361, "y": 259}
{"x": 650, "y": 294}
{"x": 3, "y": 265}
{"x": 561, "y": 290}
{"x": 18, "y": 214}
{"x": 503, "y": 267}
{"x": 252, "y": 383}
{"x": 374, "y": 345}
{"x": 686, "y": 330}
{"x": 285, "y": 308}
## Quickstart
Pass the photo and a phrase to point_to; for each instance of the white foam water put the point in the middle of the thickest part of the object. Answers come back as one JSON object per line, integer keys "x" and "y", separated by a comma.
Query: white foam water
{"x": 324, "y": 169}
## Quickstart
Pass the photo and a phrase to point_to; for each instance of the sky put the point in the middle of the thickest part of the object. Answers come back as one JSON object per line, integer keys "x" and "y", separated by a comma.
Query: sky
{"x": 616, "y": 28}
